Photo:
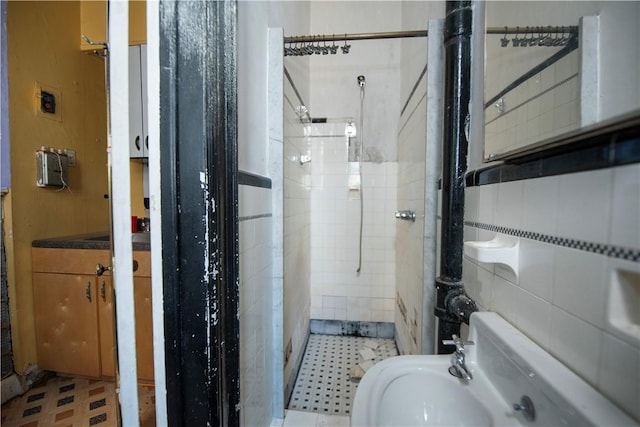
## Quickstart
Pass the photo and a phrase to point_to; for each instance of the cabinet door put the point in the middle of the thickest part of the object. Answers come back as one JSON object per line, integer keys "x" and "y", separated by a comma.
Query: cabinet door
{"x": 66, "y": 323}
{"x": 144, "y": 102}
{"x": 107, "y": 326}
{"x": 144, "y": 327}
{"x": 136, "y": 132}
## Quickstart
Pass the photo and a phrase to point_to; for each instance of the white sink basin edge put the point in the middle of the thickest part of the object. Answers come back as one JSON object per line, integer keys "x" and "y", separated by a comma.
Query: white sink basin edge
{"x": 419, "y": 391}
{"x": 505, "y": 365}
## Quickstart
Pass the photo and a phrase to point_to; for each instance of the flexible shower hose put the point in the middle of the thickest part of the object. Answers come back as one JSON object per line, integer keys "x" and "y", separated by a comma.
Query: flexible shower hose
{"x": 360, "y": 172}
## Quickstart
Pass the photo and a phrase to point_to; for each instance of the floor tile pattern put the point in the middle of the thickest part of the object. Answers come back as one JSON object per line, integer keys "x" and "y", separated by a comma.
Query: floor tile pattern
{"x": 72, "y": 402}
{"x": 324, "y": 382}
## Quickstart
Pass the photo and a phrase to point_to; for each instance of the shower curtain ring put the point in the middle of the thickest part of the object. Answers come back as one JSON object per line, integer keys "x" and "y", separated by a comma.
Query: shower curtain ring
{"x": 325, "y": 48}
{"x": 564, "y": 39}
{"x": 525, "y": 41}
{"x": 504, "y": 41}
{"x": 516, "y": 40}
{"x": 334, "y": 46}
{"x": 346, "y": 47}
{"x": 556, "y": 38}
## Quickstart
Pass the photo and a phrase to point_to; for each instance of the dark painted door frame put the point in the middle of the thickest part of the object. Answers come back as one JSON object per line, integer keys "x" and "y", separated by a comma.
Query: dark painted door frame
{"x": 198, "y": 143}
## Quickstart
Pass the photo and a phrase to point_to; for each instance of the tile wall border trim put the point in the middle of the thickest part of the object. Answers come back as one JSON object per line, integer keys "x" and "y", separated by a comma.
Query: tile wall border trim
{"x": 605, "y": 249}
{"x": 618, "y": 144}
{"x": 253, "y": 180}
{"x": 250, "y": 217}
{"x": 356, "y": 328}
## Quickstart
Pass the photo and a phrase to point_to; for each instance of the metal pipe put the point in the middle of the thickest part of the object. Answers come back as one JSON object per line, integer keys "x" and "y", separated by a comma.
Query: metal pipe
{"x": 457, "y": 93}
{"x": 355, "y": 36}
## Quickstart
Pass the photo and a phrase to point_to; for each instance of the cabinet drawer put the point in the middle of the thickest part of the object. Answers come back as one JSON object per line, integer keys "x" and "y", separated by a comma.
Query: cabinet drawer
{"x": 143, "y": 258}
{"x": 68, "y": 261}
{"x": 82, "y": 261}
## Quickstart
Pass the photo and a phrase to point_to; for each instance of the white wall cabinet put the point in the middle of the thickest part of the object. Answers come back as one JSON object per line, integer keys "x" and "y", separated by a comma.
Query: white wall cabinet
{"x": 138, "y": 127}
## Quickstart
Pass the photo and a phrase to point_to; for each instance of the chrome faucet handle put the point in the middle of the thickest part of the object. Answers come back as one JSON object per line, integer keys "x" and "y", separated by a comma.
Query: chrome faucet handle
{"x": 457, "y": 342}
{"x": 406, "y": 215}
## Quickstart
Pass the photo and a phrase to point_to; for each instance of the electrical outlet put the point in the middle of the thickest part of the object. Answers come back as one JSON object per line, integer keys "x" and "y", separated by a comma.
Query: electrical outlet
{"x": 71, "y": 157}
{"x": 48, "y": 102}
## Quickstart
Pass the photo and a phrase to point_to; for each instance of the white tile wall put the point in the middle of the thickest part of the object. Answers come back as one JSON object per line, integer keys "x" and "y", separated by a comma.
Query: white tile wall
{"x": 544, "y": 106}
{"x": 560, "y": 297}
{"x": 297, "y": 234}
{"x": 259, "y": 140}
{"x": 410, "y": 235}
{"x": 584, "y": 205}
{"x": 334, "y": 89}
{"x": 337, "y": 292}
{"x": 255, "y": 245}
{"x": 625, "y": 207}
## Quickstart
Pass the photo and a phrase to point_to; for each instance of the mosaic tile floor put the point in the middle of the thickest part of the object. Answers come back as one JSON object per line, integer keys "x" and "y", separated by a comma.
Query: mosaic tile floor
{"x": 73, "y": 402}
{"x": 324, "y": 382}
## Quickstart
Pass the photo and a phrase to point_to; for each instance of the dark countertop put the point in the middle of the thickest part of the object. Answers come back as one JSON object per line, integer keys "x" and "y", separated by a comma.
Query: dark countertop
{"x": 98, "y": 240}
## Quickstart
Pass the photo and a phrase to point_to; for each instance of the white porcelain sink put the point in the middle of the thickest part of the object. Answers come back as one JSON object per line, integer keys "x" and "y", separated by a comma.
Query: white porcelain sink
{"x": 505, "y": 365}
{"x": 412, "y": 391}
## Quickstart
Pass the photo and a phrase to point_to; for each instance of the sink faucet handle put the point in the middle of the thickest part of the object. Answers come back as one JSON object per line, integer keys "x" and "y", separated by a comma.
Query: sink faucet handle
{"x": 457, "y": 342}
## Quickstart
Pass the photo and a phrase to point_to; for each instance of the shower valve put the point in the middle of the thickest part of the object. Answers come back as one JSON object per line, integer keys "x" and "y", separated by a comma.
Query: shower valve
{"x": 304, "y": 159}
{"x": 406, "y": 215}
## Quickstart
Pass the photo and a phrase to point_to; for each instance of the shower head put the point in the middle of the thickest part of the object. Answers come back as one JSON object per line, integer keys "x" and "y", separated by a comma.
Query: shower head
{"x": 361, "y": 81}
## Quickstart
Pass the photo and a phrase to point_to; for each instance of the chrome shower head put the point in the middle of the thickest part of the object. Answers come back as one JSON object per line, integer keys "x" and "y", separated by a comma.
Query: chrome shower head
{"x": 361, "y": 81}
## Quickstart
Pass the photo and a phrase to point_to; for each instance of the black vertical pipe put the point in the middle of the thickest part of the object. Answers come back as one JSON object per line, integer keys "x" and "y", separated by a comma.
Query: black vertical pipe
{"x": 457, "y": 45}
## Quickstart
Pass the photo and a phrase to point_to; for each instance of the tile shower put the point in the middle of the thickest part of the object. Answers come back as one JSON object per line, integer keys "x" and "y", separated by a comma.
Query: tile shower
{"x": 337, "y": 291}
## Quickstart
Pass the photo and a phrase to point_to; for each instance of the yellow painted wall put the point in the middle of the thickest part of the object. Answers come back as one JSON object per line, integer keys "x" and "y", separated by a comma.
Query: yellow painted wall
{"x": 137, "y": 196}
{"x": 43, "y": 47}
{"x": 93, "y": 22}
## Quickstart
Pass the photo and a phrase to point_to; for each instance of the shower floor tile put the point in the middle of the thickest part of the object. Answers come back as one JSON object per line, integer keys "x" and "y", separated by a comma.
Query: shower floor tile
{"x": 324, "y": 382}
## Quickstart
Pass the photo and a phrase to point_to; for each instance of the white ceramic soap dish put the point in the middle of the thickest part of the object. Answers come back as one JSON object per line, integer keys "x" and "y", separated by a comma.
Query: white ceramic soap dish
{"x": 500, "y": 250}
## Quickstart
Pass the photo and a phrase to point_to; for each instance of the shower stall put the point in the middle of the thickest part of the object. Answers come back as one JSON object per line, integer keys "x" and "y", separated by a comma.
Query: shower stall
{"x": 356, "y": 115}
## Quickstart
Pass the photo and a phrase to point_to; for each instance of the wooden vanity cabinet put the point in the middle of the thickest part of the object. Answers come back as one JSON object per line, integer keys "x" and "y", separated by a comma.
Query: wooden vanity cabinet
{"x": 106, "y": 326}
{"x": 144, "y": 327}
{"x": 74, "y": 312}
{"x": 67, "y": 323}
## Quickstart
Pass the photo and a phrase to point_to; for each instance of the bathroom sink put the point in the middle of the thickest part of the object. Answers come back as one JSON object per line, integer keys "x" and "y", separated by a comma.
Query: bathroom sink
{"x": 419, "y": 391}
{"x": 412, "y": 391}
{"x": 505, "y": 367}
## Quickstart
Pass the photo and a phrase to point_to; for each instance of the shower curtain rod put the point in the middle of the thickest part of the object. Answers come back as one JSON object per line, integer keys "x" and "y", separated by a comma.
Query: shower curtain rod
{"x": 534, "y": 29}
{"x": 355, "y": 36}
{"x": 423, "y": 33}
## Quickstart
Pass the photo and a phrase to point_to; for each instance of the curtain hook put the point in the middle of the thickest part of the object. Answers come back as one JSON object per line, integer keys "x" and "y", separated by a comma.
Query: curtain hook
{"x": 346, "y": 47}
{"x": 525, "y": 41}
{"x": 515, "y": 40}
{"x": 504, "y": 41}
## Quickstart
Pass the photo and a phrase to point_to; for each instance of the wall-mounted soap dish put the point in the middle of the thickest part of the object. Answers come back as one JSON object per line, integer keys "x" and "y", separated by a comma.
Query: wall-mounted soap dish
{"x": 623, "y": 306}
{"x": 500, "y": 250}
